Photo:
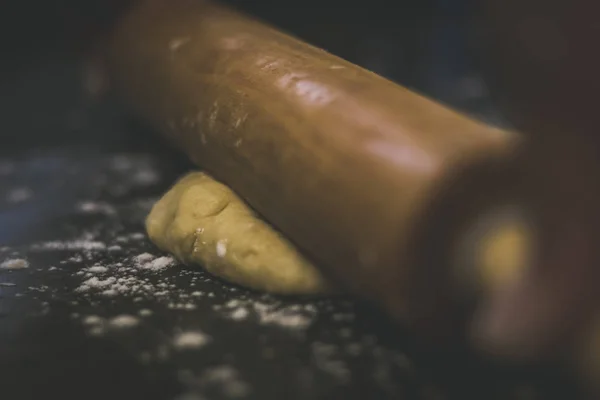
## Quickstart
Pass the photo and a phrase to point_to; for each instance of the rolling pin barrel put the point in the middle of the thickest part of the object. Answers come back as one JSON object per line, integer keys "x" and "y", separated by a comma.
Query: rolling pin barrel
{"x": 369, "y": 179}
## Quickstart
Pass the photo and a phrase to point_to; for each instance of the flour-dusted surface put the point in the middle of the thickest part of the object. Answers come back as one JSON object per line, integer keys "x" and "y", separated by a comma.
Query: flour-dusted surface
{"x": 14, "y": 263}
{"x": 90, "y": 309}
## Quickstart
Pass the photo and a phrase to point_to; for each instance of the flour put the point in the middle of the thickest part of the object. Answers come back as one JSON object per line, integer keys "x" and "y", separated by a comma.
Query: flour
{"x": 143, "y": 258}
{"x": 145, "y": 312}
{"x": 239, "y": 314}
{"x": 190, "y": 340}
{"x": 15, "y": 263}
{"x": 273, "y": 313}
{"x": 283, "y": 317}
{"x": 159, "y": 263}
{"x": 70, "y": 245}
{"x": 97, "y": 269}
{"x": 93, "y": 320}
{"x": 95, "y": 325}
{"x": 91, "y": 207}
{"x": 227, "y": 379}
{"x": 147, "y": 261}
{"x": 99, "y": 283}
{"x": 182, "y": 306}
{"x": 221, "y": 248}
{"x": 123, "y": 322}
{"x": 328, "y": 359}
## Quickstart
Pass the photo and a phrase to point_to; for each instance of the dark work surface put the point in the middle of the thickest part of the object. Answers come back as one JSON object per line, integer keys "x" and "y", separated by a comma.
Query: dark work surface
{"x": 81, "y": 204}
{"x": 73, "y": 209}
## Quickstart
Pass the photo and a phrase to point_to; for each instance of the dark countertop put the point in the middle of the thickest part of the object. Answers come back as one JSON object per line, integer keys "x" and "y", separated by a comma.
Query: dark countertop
{"x": 88, "y": 320}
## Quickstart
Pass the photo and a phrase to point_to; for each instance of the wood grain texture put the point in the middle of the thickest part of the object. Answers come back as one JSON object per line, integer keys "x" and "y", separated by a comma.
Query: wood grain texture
{"x": 360, "y": 173}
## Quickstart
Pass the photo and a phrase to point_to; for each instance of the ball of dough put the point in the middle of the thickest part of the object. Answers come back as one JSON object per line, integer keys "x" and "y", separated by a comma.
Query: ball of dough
{"x": 201, "y": 221}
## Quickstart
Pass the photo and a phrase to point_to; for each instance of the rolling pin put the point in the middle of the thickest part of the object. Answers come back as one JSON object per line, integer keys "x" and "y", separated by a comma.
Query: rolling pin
{"x": 372, "y": 181}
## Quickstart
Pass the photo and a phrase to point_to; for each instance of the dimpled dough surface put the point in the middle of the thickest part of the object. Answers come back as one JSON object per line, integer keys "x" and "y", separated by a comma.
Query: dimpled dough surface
{"x": 201, "y": 221}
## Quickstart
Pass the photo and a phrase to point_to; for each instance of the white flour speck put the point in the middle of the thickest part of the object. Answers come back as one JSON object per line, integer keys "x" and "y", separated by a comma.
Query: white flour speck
{"x": 145, "y": 177}
{"x": 190, "y": 340}
{"x": 99, "y": 283}
{"x": 282, "y": 317}
{"x": 159, "y": 263}
{"x": 227, "y": 380}
{"x": 221, "y": 248}
{"x": 96, "y": 208}
{"x": 239, "y": 314}
{"x": 143, "y": 258}
{"x": 124, "y": 321}
{"x": 147, "y": 261}
{"x": 233, "y": 303}
{"x": 97, "y": 269}
{"x": 92, "y": 320}
{"x": 71, "y": 245}
{"x": 15, "y": 263}
{"x": 327, "y": 358}
{"x": 145, "y": 312}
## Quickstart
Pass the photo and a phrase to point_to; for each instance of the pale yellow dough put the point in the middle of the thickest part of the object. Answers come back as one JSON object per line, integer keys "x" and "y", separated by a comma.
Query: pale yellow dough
{"x": 201, "y": 221}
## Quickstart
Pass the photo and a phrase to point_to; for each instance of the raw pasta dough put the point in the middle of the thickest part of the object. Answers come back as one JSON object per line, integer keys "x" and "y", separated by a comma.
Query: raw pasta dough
{"x": 201, "y": 221}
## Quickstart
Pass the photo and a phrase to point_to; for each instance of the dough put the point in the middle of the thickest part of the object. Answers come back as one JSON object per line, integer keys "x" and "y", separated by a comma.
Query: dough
{"x": 201, "y": 221}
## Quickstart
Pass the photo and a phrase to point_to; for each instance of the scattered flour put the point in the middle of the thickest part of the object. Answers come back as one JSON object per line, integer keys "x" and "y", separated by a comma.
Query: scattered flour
{"x": 143, "y": 258}
{"x": 91, "y": 207}
{"x": 239, "y": 314}
{"x": 227, "y": 379}
{"x": 109, "y": 293}
{"x": 70, "y": 245}
{"x": 283, "y": 317}
{"x": 15, "y": 263}
{"x": 148, "y": 262}
{"x": 328, "y": 359}
{"x": 159, "y": 263}
{"x": 145, "y": 312}
{"x": 99, "y": 283}
{"x": 124, "y": 322}
{"x": 274, "y": 313}
{"x": 93, "y": 320}
{"x": 190, "y": 340}
{"x": 97, "y": 269}
{"x": 95, "y": 325}
{"x": 221, "y": 248}
{"x": 146, "y": 177}
{"x": 182, "y": 306}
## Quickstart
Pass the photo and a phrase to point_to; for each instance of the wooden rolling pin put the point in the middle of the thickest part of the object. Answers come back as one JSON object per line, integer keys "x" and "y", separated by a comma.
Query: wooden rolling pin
{"x": 372, "y": 181}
